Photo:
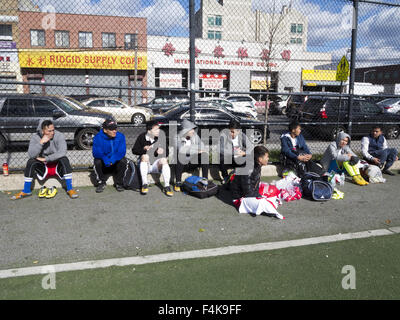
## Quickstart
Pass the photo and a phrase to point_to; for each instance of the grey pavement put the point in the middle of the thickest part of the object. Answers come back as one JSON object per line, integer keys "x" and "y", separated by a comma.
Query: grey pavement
{"x": 111, "y": 225}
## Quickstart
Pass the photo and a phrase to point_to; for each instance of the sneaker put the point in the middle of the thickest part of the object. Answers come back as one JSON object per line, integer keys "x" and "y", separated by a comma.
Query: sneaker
{"x": 168, "y": 191}
{"x": 42, "y": 192}
{"x": 388, "y": 172}
{"x": 119, "y": 188}
{"x": 21, "y": 195}
{"x": 72, "y": 194}
{"x": 177, "y": 187}
{"x": 359, "y": 180}
{"x": 100, "y": 188}
{"x": 145, "y": 189}
{"x": 51, "y": 192}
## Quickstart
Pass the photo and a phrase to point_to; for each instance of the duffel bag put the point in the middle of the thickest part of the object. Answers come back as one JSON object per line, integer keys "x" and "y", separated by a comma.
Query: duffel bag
{"x": 199, "y": 187}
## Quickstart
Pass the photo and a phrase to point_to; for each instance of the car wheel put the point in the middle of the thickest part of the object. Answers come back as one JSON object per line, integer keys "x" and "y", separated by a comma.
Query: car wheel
{"x": 392, "y": 132}
{"x": 3, "y": 143}
{"x": 84, "y": 138}
{"x": 138, "y": 118}
{"x": 257, "y": 136}
{"x": 335, "y": 131}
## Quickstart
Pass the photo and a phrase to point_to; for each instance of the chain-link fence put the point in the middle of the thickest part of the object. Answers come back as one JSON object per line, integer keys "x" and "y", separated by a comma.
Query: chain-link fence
{"x": 262, "y": 63}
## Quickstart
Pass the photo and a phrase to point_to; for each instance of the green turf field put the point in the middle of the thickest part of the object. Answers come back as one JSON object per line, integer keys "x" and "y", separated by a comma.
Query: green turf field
{"x": 308, "y": 272}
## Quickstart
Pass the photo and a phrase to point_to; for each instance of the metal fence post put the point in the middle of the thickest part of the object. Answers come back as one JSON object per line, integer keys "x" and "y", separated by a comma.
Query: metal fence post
{"x": 352, "y": 62}
{"x": 192, "y": 58}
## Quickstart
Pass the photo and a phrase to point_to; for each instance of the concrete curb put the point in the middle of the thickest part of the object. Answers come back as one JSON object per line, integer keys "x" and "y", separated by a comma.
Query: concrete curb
{"x": 82, "y": 179}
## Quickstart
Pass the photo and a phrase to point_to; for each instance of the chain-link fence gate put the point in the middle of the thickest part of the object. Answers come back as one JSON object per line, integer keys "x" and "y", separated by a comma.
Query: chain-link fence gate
{"x": 262, "y": 63}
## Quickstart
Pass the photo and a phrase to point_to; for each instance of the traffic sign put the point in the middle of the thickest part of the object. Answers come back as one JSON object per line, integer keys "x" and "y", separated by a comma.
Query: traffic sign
{"x": 342, "y": 71}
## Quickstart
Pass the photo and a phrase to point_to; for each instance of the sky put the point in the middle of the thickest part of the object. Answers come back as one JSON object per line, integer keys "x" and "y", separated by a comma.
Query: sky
{"x": 329, "y": 22}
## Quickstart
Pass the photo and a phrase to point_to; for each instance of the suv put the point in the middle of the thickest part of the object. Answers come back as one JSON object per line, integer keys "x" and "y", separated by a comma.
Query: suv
{"x": 163, "y": 103}
{"x": 121, "y": 111}
{"x": 323, "y": 117}
{"x": 244, "y": 104}
{"x": 226, "y": 104}
{"x": 20, "y": 115}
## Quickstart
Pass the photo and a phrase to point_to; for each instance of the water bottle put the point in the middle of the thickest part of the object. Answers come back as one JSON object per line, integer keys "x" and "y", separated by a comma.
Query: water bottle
{"x": 342, "y": 177}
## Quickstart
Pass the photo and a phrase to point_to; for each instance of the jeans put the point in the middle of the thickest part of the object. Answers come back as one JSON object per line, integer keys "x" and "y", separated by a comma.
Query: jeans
{"x": 386, "y": 155}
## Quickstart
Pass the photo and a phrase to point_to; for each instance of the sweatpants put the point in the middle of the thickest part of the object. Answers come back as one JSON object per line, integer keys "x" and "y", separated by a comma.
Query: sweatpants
{"x": 386, "y": 155}
{"x": 117, "y": 170}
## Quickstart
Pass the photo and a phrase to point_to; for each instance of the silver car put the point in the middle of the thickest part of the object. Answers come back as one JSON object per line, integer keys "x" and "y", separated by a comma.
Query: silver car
{"x": 391, "y": 105}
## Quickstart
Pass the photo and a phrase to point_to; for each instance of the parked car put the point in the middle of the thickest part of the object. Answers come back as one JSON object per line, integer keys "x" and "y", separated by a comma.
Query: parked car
{"x": 163, "y": 103}
{"x": 209, "y": 116}
{"x": 365, "y": 115}
{"x": 245, "y": 104}
{"x": 20, "y": 115}
{"x": 294, "y": 103}
{"x": 122, "y": 112}
{"x": 391, "y": 105}
{"x": 226, "y": 104}
{"x": 279, "y": 106}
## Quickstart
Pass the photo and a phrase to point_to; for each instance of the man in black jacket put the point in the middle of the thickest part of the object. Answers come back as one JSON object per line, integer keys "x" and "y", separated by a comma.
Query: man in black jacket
{"x": 245, "y": 188}
{"x": 153, "y": 157}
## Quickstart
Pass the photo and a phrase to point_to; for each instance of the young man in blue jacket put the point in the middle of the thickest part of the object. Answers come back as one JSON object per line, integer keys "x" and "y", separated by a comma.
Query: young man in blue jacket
{"x": 109, "y": 149}
{"x": 295, "y": 154}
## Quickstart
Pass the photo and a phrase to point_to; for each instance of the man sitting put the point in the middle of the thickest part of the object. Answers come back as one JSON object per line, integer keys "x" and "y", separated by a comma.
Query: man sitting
{"x": 47, "y": 145}
{"x": 295, "y": 154}
{"x": 375, "y": 150}
{"x": 148, "y": 147}
{"x": 109, "y": 149}
{"x": 233, "y": 146}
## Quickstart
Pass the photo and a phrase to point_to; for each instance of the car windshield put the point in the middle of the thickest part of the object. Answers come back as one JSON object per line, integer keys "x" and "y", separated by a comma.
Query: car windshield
{"x": 76, "y": 103}
{"x": 177, "y": 108}
{"x": 65, "y": 106}
{"x": 389, "y": 101}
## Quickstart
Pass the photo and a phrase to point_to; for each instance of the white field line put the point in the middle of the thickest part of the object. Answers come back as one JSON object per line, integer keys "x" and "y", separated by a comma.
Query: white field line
{"x": 204, "y": 253}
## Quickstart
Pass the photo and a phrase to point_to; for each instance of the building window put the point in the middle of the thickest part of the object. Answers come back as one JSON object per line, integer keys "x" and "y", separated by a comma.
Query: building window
{"x": 85, "y": 40}
{"x": 299, "y": 40}
{"x": 299, "y": 28}
{"x": 395, "y": 74}
{"x": 387, "y": 75}
{"x": 130, "y": 41}
{"x": 61, "y": 39}
{"x": 215, "y": 21}
{"x": 108, "y": 40}
{"x": 5, "y": 30}
{"x": 296, "y": 28}
{"x": 214, "y": 35}
{"x": 293, "y": 40}
{"x": 38, "y": 38}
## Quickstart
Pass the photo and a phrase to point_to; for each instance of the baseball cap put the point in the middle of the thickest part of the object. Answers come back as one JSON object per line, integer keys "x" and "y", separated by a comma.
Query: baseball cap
{"x": 110, "y": 124}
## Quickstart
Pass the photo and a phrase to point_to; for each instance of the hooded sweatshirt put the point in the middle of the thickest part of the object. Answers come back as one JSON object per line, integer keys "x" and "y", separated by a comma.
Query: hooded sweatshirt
{"x": 52, "y": 150}
{"x": 188, "y": 146}
{"x": 334, "y": 152}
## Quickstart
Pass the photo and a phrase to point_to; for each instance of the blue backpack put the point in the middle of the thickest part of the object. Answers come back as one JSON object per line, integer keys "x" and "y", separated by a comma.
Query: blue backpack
{"x": 199, "y": 187}
{"x": 316, "y": 187}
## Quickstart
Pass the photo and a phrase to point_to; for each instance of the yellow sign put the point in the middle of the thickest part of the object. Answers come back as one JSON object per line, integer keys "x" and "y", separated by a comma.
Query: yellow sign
{"x": 259, "y": 84}
{"x": 342, "y": 71}
{"x": 119, "y": 60}
{"x": 319, "y": 75}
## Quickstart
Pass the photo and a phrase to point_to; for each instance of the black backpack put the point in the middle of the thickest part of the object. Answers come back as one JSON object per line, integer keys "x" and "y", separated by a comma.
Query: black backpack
{"x": 316, "y": 187}
{"x": 131, "y": 178}
{"x": 199, "y": 187}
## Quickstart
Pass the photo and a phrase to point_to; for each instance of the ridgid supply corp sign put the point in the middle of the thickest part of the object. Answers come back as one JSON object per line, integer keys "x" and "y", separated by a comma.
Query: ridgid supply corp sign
{"x": 119, "y": 60}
